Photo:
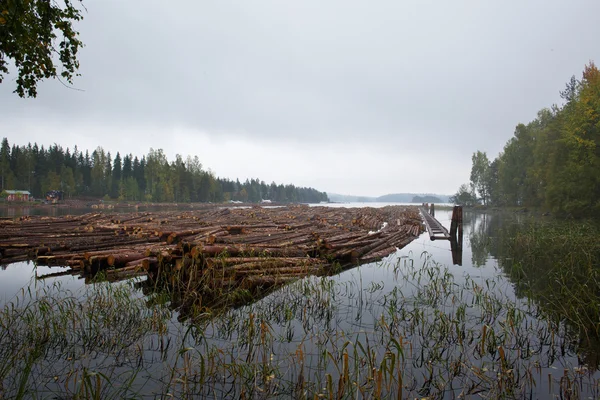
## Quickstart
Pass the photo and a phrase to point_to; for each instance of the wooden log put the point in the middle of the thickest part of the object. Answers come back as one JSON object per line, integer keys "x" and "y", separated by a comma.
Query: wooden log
{"x": 129, "y": 218}
{"x": 44, "y": 250}
{"x": 290, "y": 227}
{"x": 74, "y": 263}
{"x": 278, "y": 251}
{"x": 97, "y": 240}
{"x": 17, "y": 251}
{"x": 67, "y": 259}
{"x": 89, "y": 254}
{"x": 213, "y": 237}
{"x": 183, "y": 263}
{"x": 120, "y": 276}
{"x": 135, "y": 265}
{"x": 229, "y": 261}
{"x": 390, "y": 242}
{"x": 175, "y": 237}
{"x": 236, "y": 229}
{"x": 99, "y": 261}
{"x": 266, "y": 281}
{"x": 345, "y": 237}
{"x": 149, "y": 263}
{"x": 155, "y": 250}
{"x": 266, "y": 264}
{"x": 14, "y": 259}
{"x": 268, "y": 237}
{"x": 112, "y": 244}
{"x": 124, "y": 256}
{"x": 359, "y": 242}
{"x": 215, "y": 250}
{"x": 16, "y": 245}
{"x": 211, "y": 231}
{"x": 378, "y": 255}
{"x": 300, "y": 271}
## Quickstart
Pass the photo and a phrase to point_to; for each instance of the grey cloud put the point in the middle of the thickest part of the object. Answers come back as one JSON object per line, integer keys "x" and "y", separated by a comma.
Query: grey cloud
{"x": 397, "y": 77}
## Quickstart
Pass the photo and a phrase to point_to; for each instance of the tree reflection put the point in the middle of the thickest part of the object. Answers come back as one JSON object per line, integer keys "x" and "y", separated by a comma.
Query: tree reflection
{"x": 554, "y": 263}
{"x": 479, "y": 227}
{"x": 557, "y": 264}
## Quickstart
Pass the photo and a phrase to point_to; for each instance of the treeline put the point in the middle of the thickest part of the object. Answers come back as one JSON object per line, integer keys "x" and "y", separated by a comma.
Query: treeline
{"x": 149, "y": 178}
{"x": 553, "y": 162}
{"x": 426, "y": 199}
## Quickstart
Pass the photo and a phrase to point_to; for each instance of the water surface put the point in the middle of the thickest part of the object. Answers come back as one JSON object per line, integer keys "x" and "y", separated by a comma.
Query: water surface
{"x": 409, "y": 297}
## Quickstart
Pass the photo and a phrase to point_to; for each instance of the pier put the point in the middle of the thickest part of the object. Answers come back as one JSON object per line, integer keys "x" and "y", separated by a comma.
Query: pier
{"x": 437, "y": 231}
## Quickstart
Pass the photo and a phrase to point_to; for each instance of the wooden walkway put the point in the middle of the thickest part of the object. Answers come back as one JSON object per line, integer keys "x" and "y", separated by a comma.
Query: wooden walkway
{"x": 434, "y": 227}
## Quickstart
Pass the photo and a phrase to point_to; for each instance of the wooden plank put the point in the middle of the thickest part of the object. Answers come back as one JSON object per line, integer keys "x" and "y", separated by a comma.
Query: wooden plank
{"x": 434, "y": 227}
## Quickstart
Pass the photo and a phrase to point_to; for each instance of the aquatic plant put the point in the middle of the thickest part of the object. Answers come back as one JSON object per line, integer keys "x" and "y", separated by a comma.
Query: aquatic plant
{"x": 418, "y": 331}
{"x": 557, "y": 264}
{"x": 52, "y": 341}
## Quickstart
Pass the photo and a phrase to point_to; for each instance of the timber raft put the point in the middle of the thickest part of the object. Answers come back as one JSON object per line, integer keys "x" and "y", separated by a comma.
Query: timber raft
{"x": 237, "y": 247}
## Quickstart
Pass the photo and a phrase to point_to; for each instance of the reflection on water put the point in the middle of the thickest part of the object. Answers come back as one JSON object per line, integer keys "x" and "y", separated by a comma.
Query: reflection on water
{"x": 18, "y": 276}
{"x": 52, "y": 210}
{"x": 15, "y": 212}
{"x": 47, "y": 210}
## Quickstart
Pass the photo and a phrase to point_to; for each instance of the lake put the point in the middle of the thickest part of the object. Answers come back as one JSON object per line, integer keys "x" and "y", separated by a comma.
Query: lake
{"x": 412, "y": 325}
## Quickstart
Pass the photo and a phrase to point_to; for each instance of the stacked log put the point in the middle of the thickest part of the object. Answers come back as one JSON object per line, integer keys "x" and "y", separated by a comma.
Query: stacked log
{"x": 245, "y": 247}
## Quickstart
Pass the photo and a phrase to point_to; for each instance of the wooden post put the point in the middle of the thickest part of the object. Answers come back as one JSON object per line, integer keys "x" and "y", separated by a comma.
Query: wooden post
{"x": 460, "y": 224}
{"x": 456, "y": 223}
{"x": 456, "y": 247}
{"x": 456, "y": 235}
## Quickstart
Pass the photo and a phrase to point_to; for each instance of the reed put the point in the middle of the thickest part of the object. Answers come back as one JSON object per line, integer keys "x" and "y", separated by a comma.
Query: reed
{"x": 558, "y": 265}
{"x": 419, "y": 332}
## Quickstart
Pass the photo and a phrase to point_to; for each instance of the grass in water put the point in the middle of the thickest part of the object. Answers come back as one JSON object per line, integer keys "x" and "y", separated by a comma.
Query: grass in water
{"x": 418, "y": 332}
{"x": 558, "y": 265}
{"x": 90, "y": 346}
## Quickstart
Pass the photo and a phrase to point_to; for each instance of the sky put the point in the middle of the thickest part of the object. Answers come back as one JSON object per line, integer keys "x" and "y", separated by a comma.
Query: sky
{"x": 350, "y": 97}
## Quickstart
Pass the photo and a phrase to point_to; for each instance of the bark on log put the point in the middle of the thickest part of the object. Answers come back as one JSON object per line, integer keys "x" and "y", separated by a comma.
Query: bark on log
{"x": 257, "y": 240}
{"x": 124, "y": 256}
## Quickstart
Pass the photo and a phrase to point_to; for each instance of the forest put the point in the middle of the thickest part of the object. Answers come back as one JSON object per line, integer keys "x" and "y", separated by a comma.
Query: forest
{"x": 551, "y": 163}
{"x": 150, "y": 178}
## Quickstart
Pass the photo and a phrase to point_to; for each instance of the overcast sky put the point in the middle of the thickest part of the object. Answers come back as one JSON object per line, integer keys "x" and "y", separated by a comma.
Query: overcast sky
{"x": 350, "y": 97}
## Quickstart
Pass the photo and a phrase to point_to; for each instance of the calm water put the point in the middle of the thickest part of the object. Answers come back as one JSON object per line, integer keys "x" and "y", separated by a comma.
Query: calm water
{"x": 476, "y": 260}
{"x": 360, "y": 306}
{"x": 59, "y": 211}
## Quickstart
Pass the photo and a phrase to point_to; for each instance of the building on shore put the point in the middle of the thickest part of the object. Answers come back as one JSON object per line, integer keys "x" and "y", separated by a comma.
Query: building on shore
{"x": 17, "y": 195}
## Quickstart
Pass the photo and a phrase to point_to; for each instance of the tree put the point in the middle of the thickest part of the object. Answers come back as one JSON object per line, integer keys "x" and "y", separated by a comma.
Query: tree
{"x": 464, "y": 197}
{"x": 129, "y": 178}
{"x": 480, "y": 175}
{"x": 571, "y": 89}
{"x": 29, "y": 36}
{"x": 51, "y": 182}
{"x": 131, "y": 190}
{"x": 157, "y": 176}
{"x": 580, "y": 186}
{"x": 494, "y": 193}
{"x": 98, "y": 174}
{"x": 554, "y": 160}
{"x": 116, "y": 177}
{"x": 127, "y": 167}
{"x": 4, "y": 163}
{"x": 67, "y": 181}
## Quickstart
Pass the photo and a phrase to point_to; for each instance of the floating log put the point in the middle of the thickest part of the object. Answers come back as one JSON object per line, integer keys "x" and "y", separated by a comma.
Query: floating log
{"x": 216, "y": 247}
{"x": 124, "y": 257}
